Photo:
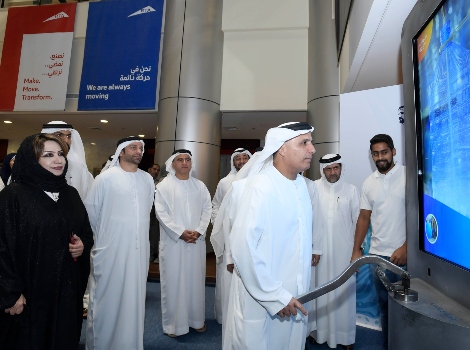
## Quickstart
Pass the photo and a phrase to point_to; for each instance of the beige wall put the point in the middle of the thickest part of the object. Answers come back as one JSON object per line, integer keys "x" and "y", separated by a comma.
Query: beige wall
{"x": 13, "y": 146}
{"x": 265, "y": 55}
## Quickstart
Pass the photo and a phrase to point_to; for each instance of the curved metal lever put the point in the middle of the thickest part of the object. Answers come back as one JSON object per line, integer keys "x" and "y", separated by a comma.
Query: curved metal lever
{"x": 350, "y": 270}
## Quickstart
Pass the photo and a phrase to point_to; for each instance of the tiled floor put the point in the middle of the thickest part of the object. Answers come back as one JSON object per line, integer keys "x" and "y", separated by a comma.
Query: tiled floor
{"x": 154, "y": 272}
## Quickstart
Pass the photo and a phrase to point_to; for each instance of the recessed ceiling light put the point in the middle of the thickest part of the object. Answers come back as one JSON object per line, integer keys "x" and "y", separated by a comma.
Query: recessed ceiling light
{"x": 93, "y": 143}
{"x": 7, "y": 122}
{"x": 231, "y": 128}
{"x": 103, "y": 121}
{"x": 141, "y": 135}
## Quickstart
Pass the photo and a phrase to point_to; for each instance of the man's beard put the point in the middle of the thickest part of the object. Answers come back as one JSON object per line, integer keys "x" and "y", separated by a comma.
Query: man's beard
{"x": 383, "y": 165}
{"x": 130, "y": 159}
{"x": 332, "y": 178}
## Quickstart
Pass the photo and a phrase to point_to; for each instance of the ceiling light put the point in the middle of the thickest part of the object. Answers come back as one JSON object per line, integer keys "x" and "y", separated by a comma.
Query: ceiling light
{"x": 141, "y": 135}
{"x": 231, "y": 128}
{"x": 103, "y": 121}
{"x": 93, "y": 143}
{"x": 7, "y": 122}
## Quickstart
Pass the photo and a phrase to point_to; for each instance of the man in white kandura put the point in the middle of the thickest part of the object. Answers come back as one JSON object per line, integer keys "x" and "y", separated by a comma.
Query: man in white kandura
{"x": 223, "y": 272}
{"x": 154, "y": 231}
{"x": 271, "y": 244}
{"x": 118, "y": 206}
{"x": 183, "y": 208}
{"x": 77, "y": 175}
{"x": 339, "y": 205}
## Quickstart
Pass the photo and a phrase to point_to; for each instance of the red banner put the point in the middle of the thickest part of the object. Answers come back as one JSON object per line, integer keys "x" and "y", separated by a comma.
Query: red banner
{"x": 36, "y": 57}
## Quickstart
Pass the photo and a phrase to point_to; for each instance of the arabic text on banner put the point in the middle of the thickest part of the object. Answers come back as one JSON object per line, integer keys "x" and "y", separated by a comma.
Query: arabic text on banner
{"x": 36, "y": 57}
{"x": 120, "y": 64}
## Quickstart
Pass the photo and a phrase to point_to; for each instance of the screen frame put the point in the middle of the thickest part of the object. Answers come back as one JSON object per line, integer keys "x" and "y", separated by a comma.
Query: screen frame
{"x": 419, "y": 140}
{"x": 450, "y": 279}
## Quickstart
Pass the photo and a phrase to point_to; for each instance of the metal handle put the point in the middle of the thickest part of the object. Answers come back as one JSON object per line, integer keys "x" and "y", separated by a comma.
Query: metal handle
{"x": 350, "y": 270}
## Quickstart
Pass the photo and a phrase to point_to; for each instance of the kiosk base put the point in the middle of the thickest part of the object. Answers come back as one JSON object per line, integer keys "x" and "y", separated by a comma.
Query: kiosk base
{"x": 433, "y": 322}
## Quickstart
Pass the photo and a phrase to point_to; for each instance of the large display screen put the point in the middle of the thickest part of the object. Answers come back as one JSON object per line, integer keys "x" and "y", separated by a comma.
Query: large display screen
{"x": 442, "y": 86}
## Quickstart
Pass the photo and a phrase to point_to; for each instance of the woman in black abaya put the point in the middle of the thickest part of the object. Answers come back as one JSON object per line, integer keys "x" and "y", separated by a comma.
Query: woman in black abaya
{"x": 45, "y": 242}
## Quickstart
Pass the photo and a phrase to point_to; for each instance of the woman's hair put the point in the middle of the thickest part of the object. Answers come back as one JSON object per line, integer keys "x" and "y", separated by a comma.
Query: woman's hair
{"x": 40, "y": 139}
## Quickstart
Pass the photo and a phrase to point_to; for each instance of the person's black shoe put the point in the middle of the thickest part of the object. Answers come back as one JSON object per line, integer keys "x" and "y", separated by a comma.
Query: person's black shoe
{"x": 347, "y": 347}
{"x": 311, "y": 340}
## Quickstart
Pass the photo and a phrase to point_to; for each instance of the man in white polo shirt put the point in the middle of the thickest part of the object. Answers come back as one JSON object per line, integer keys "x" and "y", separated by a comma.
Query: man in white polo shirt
{"x": 383, "y": 206}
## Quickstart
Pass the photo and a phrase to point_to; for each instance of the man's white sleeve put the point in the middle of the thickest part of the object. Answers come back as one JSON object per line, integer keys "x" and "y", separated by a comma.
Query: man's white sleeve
{"x": 94, "y": 202}
{"x": 171, "y": 228}
{"x": 355, "y": 207}
{"x": 365, "y": 204}
{"x": 253, "y": 267}
{"x": 216, "y": 202}
{"x": 206, "y": 210}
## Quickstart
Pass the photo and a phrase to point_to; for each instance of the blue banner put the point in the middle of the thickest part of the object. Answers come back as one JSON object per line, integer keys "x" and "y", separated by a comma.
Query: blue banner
{"x": 122, "y": 47}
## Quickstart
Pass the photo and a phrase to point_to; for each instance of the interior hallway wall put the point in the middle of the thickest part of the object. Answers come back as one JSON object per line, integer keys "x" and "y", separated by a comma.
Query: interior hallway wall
{"x": 97, "y": 155}
{"x": 264, "y": 55}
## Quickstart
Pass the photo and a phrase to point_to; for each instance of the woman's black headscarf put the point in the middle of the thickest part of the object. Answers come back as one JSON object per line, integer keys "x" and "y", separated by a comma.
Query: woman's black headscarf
{"x": 28, "y": 170}
{"x": 5, "y": 171}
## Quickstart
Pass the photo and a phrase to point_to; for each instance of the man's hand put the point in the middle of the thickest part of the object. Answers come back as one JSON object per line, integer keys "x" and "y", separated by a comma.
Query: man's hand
{"x": 18, "y": 307}
{"x": 290, "y": 309}
{"x": 356, "y": 254}
{"x": 230, "y": 268}
{"x": 362, "y": 226}
{"x": 76, "y": 249}
{"x": 188, "y": 236}
{"x": 315, "y": 259}
{"x": 399, "y": 256}
{"x": 196, "y": 235}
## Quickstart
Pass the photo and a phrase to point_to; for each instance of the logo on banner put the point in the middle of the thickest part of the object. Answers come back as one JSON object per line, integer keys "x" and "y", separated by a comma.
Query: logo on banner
{"x": 120, "y": 72}
{"x": 57, "y": 16}
{"x": 401, "y": 114}
{"x": 146, "y": 9}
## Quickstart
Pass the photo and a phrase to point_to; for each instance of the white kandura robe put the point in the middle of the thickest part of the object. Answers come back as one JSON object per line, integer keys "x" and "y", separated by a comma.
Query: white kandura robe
{"x": 271, "y": 244}
{"x": 182, "y": 205}
{"x": 232, "y": 207}
{"x": 220, "y": 192}
{"x": 79, "y": 177}
{"x": 336, "y": 311}
{"x": 222, "y": 276}
{"x": 317, "y": 234}
{"x": 118, "y": 206}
